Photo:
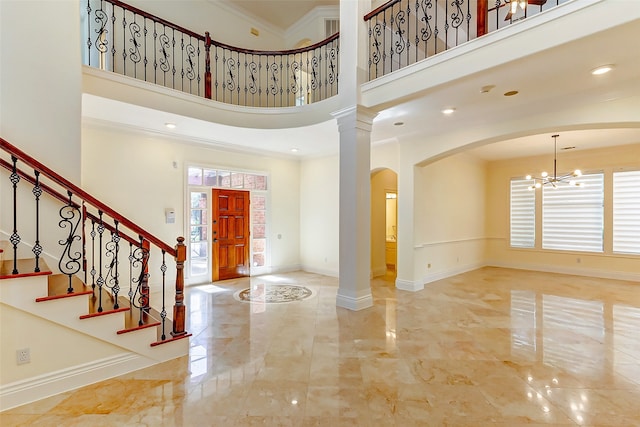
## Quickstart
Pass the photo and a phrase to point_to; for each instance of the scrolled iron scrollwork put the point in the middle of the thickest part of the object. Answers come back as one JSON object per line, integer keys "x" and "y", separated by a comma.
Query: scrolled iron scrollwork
{"x": 230, "y": 82}
{"x": 112, "y": 276}
{"x": 314, "y": 72}
{"x": 253, "y": 81}
{"x": 457, "y": 17}
{"x": 376, "y": 32}
{"x": 400, "y": 20}
{"x": 165, "y": 45}
{"x": 139, "y": 260}
{"x": 134, "y": 50}
{"x": 274, "y": 85}
{"x": 101, "y": 18}
{"x": 191, "y": 54}
{"x": 333, "y": 65}
{"x": 295, "y": 69}
{"x": 426, "y": 32}
{"x": 70, "y": 260}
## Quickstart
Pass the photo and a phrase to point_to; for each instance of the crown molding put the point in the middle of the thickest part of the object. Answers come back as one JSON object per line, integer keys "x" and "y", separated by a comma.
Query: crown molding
{"x": 319, "y": 12}
{"x": 246, "y": 15}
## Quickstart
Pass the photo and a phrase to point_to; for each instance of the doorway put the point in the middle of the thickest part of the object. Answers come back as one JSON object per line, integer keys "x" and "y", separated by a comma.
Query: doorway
{"x": 384, "y": 197}
{"x": 230, "y": 234}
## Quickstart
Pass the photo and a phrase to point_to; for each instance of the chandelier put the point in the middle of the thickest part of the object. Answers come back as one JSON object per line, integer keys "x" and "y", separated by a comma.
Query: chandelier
{"x": 513, "y": 6}
{"x": 554, "y": 180}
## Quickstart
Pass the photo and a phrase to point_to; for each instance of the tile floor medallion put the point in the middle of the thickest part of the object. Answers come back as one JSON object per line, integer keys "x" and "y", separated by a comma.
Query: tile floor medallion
{"x": 273, "y": 294}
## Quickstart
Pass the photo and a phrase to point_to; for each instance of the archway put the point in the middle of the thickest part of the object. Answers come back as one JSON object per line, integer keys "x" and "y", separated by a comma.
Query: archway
{"x": 384, "y": 193}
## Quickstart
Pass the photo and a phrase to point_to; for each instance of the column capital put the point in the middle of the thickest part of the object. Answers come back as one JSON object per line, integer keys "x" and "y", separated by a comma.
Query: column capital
{"x": 356, "y": 115}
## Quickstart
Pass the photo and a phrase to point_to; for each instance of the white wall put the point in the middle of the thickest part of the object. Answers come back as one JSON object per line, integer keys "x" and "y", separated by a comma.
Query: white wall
{"x": 223, "y": 23}
{"x": 53, "y": 347}
{"x": 606, "y": 264}
{"x": 40, "y": 81}
{"x": 319, "y": 215}
{"x": 146, "y": 183}
{"x": 449, "y": 216}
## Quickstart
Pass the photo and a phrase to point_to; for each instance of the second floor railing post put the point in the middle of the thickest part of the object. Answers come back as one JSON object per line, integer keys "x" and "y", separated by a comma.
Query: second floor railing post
{"x": 207, "y": 65}
{"x": 179, "y": 307}
{"x": 481, "y": 20}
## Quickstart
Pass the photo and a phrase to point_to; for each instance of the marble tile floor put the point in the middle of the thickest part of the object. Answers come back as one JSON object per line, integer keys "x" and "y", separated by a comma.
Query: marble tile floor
{"x": 492, "y": 347}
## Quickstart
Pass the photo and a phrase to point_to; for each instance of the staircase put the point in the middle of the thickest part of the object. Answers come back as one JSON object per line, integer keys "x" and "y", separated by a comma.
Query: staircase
{"x": 101, "y": 301}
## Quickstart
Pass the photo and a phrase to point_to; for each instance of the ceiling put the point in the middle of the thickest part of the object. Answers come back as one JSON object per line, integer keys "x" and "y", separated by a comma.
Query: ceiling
{"x": 556, "y": 79}
{"x": 280, "y": 13}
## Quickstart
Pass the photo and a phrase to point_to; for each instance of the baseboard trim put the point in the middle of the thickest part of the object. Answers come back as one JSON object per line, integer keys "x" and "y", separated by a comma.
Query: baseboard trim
{"x": 451, "y": 272}
{"x": 588, "y": 272}
{"x": 324, "y": 272}
{"x": 39, "y": 387}
{"x": 408, "y": 285}
{"x": 354, "y": 304}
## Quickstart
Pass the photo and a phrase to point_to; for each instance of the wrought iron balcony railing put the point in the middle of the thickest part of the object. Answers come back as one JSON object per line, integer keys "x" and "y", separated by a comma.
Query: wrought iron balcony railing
{"x": 403, "y": 32}
{"x": 126, "y": 40}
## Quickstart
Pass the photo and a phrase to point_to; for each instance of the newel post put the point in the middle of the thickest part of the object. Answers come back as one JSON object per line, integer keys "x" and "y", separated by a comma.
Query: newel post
{"x": 481, "y": 20}
{"x": 179, "y": 308}
{"x": 207, "y": 66}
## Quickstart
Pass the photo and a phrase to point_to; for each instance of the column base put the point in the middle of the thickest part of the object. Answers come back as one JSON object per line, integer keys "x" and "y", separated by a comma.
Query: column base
{"x": 354, "y": 304}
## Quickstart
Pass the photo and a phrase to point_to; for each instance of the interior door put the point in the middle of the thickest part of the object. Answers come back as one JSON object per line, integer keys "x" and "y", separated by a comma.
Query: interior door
{"x": 230, "y": 232}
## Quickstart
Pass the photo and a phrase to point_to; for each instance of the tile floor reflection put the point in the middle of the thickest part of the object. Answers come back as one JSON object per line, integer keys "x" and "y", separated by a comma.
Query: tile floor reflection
{"x": 493, "y": 347}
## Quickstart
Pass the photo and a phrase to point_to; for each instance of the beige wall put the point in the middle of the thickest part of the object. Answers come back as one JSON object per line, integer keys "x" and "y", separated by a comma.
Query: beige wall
{"x": 449, "y": 231}
{"x": 53, "y": 347}
{"x": 606, "y": 264}
{"x": 147, "y": 183}
{"x": 319, "y": 215}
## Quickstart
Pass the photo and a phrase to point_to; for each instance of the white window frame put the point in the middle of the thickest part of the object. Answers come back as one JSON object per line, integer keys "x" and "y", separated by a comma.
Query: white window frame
{"x": 522, "y": 215}
{"x": 626, "y": 212}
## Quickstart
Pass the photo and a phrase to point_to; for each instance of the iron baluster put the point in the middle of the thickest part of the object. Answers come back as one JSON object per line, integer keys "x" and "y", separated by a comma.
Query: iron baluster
{"x": 93, "y": 254}
{"x": 131, "y": 260}
{"x": 145, "y": 61}
{"x": 89, "y": 32}
{"x": 155, "y": 53}
{"x": 124, "y": 42}
{"x": 134, "y": 50}
{"x": 173, "y": 61}
{"x": 101, "y": 280}
{"x": 84, "y": 241}
{"x": 113, "y": 45}
{"x": 37, "y": 248}
{"x": 163, "y": 313}
{"x": 15, "y": 237}
{"x": 112, "y": 277}
{"x": 69, "y": 263}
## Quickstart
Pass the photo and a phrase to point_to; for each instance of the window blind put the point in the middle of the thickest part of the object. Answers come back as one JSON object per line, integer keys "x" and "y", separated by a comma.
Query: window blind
{"x": 626, "y": 212}
{"x": 572, "y": 217}
{"x": 523, "y": 214}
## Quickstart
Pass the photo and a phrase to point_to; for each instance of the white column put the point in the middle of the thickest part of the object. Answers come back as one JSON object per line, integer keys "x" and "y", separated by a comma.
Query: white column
{"x": 407, "y": 277}
{"x": 354, "y": 291}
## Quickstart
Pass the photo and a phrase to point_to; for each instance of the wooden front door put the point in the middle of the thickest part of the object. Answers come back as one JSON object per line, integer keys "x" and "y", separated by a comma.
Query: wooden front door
{"x": 230, "y": 230}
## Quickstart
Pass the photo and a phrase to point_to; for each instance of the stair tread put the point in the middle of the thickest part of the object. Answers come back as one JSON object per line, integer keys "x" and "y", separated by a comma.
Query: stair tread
{"x": 58, "y": 284}
{"x": 25, "y": 267}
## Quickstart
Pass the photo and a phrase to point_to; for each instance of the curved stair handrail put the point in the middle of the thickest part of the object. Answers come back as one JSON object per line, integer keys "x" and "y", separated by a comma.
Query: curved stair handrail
{"x": 102, "y": 265}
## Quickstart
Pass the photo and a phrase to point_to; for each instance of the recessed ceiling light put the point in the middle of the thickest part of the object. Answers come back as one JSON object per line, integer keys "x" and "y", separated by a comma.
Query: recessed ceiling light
{"x": 511, "y": 93}
{"x": 487, "y": 88}
{"x": 294, "y": 150}
{"x": 448, "y": 111}
{"x": 170, "y": 125}
{"x": 602, "y": 70}
{"x": 398, "y": 123}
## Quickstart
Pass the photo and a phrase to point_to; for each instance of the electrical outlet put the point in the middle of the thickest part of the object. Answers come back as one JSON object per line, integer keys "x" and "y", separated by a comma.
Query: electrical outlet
{"x": 23, "y": 356}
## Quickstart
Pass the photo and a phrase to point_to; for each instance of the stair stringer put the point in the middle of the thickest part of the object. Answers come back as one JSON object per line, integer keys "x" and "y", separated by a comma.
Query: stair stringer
{"x": 21, "y": 293}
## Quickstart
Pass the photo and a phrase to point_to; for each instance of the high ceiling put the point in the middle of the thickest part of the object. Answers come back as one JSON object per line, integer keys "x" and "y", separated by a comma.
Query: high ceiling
{"x": 280, "y": 13}
{"x": 556, "y": 79}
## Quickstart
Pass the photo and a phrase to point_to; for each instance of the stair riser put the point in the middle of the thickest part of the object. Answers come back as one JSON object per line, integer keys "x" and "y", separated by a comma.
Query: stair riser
{"x": 23, "y": 289}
